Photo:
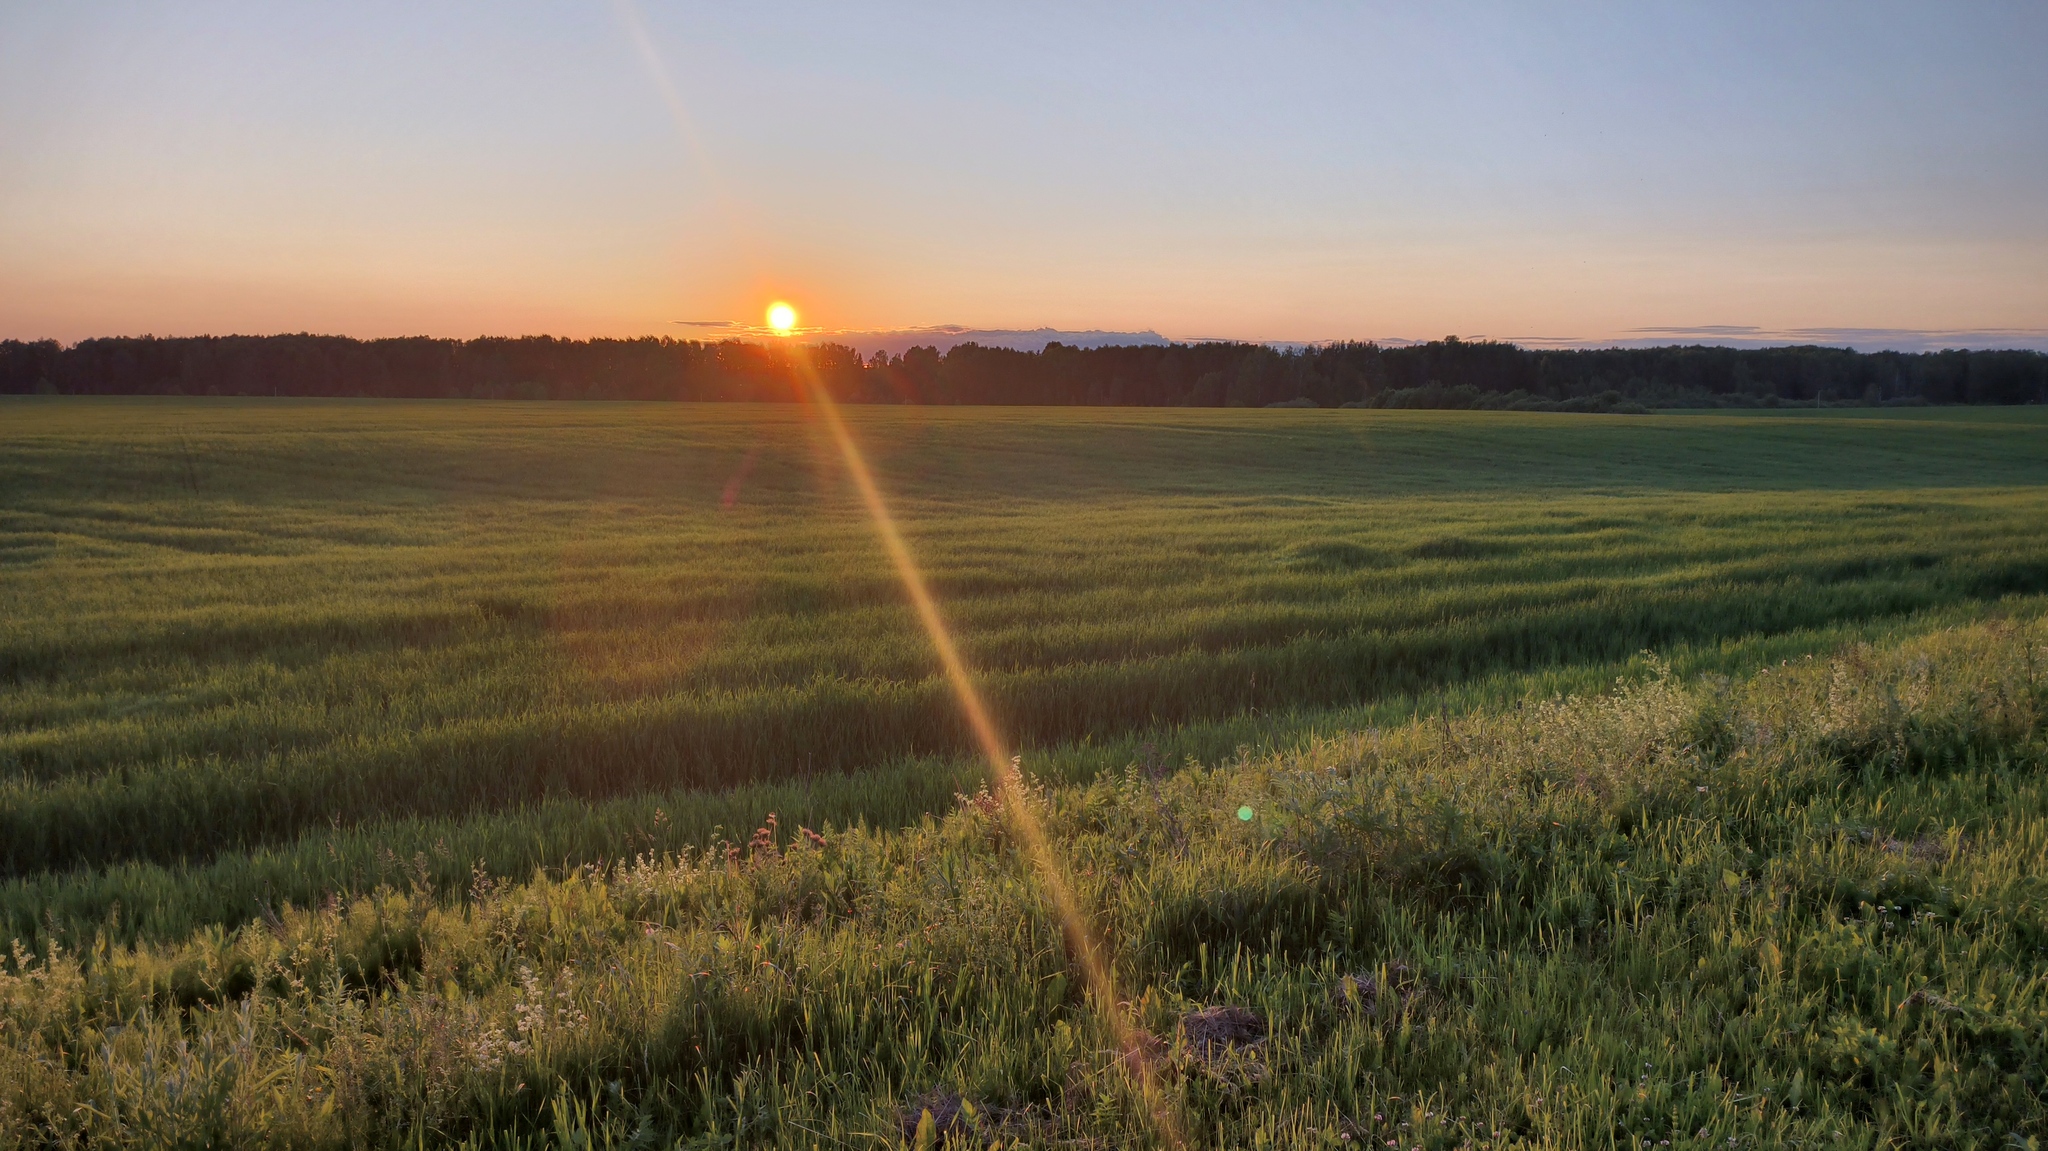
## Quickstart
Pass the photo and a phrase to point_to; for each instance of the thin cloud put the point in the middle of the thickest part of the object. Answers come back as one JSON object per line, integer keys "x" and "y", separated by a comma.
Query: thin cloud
{"x": 1861, "y": 339}
{"x": 944, "y": 337}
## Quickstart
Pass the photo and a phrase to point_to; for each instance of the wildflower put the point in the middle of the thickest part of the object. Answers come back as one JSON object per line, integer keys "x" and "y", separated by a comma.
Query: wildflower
{"x": 764, "y": 837}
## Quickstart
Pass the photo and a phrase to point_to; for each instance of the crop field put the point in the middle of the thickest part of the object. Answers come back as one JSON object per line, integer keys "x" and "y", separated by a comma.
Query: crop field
{"x": 358, "y": 759}
{"x": 244, "y": 629}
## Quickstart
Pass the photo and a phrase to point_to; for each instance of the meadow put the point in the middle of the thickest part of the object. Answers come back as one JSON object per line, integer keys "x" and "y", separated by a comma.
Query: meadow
{"x": 297, "y": 696}
{"x": 236, "y": 625}
{"x": 1804, "y": 908}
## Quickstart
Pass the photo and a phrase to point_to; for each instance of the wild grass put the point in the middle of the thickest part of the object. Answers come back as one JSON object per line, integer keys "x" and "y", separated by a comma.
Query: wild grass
{"x": 235, "y": 623}
{"x": 260, "y": 651}
{"x": 388, "y": 773}
{"x": 1805, "y": 907}
{"x": 135, "y": 900}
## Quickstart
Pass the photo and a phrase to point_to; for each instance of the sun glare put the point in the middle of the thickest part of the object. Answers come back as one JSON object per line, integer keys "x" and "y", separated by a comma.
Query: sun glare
{"x": 781, "y": 317}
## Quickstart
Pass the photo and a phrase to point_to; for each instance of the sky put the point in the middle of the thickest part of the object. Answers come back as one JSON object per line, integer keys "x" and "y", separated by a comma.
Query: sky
{"x": 1864, "y": 173}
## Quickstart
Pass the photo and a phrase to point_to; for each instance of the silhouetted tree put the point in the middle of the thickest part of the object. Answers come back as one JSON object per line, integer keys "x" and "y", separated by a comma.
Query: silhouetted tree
{"x": 1444, "y": 373}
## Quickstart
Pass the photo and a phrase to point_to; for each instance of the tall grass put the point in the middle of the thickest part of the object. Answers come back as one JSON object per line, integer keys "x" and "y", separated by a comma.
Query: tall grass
{"x": 137, "y": 900}
{"x": 1803, "y": 907}
{"x": 233, "y": 625}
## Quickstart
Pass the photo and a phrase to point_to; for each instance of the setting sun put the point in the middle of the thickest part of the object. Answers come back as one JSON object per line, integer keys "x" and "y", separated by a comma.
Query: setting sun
{"x": 781, "y": 317}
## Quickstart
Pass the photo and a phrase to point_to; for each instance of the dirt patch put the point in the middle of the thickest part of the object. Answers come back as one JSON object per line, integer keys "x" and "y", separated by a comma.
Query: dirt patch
{"x": 948, "y": 1116}
{"x": 1399, "y": 988}
{"x": 1215, "y": 1031}
{"x": 1143, "y": 1050}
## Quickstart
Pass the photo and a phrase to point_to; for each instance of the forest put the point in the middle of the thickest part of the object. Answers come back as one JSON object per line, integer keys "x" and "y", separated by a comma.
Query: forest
{"x": 1447, "y": 374}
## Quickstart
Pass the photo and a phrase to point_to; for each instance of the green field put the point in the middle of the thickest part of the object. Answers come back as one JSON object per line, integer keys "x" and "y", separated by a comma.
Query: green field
{"x": 261, "y": 655}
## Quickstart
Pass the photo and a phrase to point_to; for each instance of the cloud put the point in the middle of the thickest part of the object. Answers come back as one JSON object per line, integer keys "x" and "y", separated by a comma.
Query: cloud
{"x": 944, "y": 337}
{"x": 1861, "y": 339}
{"x": 1751, "y": 336}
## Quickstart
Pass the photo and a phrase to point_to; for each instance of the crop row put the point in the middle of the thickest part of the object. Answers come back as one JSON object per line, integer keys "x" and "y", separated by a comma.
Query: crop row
{"x": 1802, "y": 908}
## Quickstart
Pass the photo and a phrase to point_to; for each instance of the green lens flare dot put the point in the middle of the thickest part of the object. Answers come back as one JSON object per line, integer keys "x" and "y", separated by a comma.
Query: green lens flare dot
{"x": 1245, "y": 813}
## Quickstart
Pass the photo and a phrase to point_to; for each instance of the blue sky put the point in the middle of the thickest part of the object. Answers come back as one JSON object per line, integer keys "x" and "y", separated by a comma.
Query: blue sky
{"x": 1287, "y": 172}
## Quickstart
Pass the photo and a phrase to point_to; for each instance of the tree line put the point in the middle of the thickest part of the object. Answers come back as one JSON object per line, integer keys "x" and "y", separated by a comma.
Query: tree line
{"x": 1448, "y": 373}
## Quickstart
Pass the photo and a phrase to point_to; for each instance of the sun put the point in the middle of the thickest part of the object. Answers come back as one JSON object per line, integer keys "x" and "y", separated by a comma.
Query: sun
{"x": 781, "y": 317}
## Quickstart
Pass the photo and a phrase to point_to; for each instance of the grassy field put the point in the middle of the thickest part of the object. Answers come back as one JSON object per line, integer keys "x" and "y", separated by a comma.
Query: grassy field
{"x": 243, "y": 629}
{"x": 1803, "y": 909}
{"x": 261, "y": 658}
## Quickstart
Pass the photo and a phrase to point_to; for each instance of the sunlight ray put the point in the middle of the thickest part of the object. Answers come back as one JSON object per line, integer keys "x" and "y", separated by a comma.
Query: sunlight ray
{"x": 1136, "y": 1050}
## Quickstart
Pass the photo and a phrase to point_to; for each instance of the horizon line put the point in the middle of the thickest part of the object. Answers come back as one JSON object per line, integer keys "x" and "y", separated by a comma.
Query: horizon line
{"x": 944, "y": 337}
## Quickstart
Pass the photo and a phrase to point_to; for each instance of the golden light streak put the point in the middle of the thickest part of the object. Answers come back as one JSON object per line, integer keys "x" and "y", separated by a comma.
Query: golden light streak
{"x": 1134, "y": 1047}
{"x": 629, "y": 17}
{"x": 737, "y": 225}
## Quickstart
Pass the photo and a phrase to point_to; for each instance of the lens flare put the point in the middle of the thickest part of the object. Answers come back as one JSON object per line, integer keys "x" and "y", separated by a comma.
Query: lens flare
{"x": 1137, "y": 1050}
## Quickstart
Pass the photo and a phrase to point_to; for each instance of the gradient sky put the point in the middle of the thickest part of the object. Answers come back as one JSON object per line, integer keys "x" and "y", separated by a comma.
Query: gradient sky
{"x": 1284, "y": 172}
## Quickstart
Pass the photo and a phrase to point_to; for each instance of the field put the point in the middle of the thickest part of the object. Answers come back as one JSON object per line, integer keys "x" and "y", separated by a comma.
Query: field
{"x": 295, "y": 698}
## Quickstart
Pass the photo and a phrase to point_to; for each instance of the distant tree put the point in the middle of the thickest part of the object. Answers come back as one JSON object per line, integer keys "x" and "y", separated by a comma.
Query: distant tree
{"x": 1452, "y": 372}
